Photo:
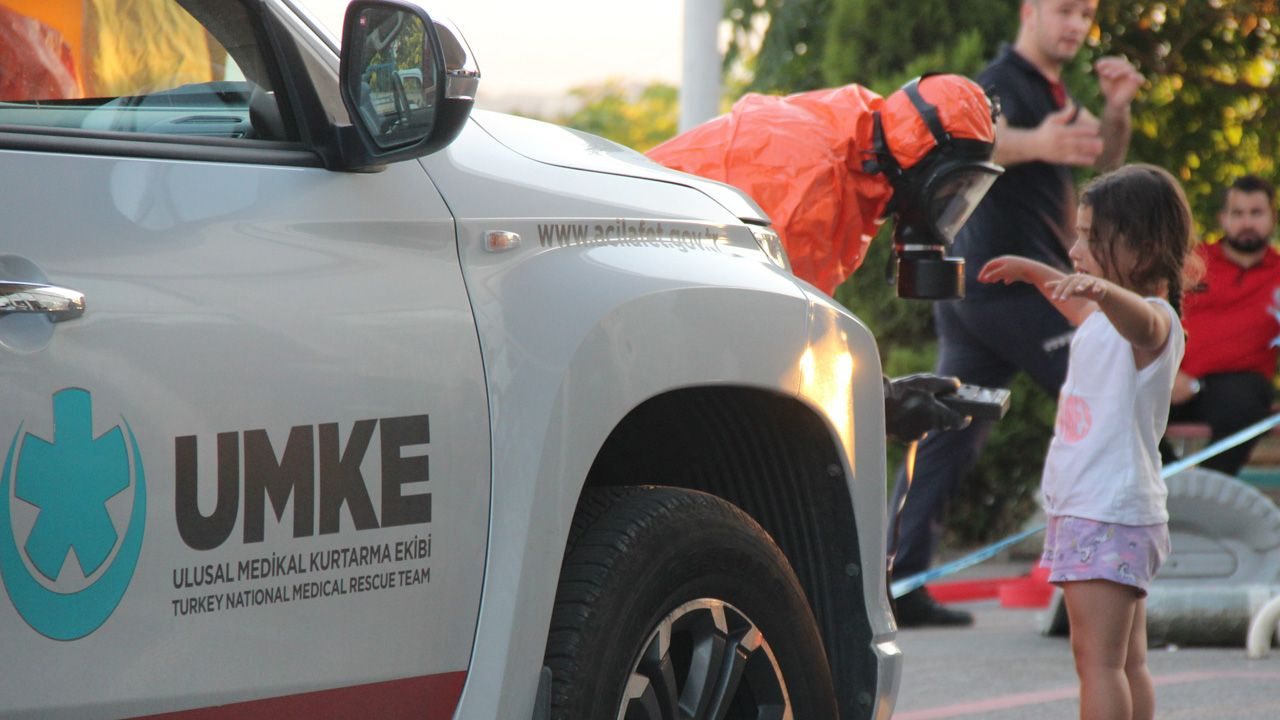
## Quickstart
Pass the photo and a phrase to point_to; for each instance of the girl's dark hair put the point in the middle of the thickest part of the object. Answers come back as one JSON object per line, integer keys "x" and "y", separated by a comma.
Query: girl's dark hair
{"x": 1141, "y": 210}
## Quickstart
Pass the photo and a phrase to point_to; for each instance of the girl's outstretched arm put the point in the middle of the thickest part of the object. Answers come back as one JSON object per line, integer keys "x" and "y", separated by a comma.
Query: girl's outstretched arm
{"x": 1144, "y": 325}
{"x": 1010, "y": 269}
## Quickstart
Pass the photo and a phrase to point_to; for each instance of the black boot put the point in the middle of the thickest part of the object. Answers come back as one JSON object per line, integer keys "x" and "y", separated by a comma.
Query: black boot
{"x": 918, "y": 609}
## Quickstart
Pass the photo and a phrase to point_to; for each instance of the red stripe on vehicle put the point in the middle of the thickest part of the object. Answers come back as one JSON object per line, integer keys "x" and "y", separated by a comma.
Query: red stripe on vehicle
{"x": 430, "y": 697}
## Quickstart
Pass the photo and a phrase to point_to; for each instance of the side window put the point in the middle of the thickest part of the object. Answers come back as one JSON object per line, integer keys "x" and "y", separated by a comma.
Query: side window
{"x": 160, "y": 67}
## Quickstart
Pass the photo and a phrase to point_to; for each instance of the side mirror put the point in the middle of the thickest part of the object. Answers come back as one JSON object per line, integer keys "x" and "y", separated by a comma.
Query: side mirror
{"x": 399, "y": 85}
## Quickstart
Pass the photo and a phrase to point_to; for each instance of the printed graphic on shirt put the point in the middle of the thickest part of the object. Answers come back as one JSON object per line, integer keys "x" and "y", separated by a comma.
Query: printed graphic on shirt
{"x": 1074, "y": 419}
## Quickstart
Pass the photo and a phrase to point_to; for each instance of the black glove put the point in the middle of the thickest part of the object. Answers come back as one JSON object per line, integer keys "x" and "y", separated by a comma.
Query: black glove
{"x": 911, "y": 410}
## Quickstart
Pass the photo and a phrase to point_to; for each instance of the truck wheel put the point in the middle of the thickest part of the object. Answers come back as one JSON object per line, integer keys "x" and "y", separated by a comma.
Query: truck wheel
{"x": 674, "y": 603}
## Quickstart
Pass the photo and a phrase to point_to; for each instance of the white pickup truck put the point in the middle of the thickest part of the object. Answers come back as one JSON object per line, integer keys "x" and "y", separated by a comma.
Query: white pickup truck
{"x": 322, "y": 398}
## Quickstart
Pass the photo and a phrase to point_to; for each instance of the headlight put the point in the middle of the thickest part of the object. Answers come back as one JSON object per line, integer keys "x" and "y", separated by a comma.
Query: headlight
{"x": 771, "y": 244}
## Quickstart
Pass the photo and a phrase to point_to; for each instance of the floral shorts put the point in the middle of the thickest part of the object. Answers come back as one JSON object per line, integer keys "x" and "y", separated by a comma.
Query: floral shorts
{"x": 1079, "y": 549}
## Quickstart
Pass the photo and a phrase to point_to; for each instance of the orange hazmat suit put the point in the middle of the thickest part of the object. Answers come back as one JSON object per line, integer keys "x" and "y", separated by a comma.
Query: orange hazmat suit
{"x": 37, "y": 63}
{"x": 803, "y": 158}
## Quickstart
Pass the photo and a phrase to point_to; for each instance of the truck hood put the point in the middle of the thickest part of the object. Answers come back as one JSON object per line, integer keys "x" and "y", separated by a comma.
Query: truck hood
{"x": 566, "y": 147}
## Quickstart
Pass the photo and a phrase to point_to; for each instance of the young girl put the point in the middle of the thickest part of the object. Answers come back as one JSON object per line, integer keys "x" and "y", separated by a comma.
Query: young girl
{"x": 1102, "y": 491}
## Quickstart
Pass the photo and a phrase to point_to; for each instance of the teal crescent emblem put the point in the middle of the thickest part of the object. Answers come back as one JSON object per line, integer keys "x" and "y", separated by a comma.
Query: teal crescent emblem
{"x": 70, "y": 480}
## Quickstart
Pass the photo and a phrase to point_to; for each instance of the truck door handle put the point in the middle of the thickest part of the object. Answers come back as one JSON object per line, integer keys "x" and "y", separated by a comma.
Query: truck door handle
{"x": 55, "y": 302}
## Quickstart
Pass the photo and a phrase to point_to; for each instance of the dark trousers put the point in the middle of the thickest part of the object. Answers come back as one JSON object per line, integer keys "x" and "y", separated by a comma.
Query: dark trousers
{"x": 1227, "y": 402}
{"x": 982, "y": 342}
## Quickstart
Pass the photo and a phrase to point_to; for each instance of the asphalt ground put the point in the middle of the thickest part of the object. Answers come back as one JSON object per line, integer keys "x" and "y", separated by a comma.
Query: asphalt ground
{"x": 1003, "y": 668}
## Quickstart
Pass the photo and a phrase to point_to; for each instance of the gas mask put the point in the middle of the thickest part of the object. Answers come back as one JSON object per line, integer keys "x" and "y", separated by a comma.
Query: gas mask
{"x": 932, "y": 199}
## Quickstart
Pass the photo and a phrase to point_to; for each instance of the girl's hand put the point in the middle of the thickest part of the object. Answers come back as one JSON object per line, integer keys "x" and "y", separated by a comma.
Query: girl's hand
{"x": 1007, "y": 269}
{"x": 1077, "y": 285}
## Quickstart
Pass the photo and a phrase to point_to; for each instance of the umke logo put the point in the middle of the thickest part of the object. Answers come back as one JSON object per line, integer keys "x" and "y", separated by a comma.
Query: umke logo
{"x": 72, "y": 510}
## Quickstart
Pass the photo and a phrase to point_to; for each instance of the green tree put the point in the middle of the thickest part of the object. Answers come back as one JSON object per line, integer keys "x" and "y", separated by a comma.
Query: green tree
{"x": 883, "y": 44}
{"x": 777, "y": 44}
{"x": 1209, "y": 112}
{"x": 638, "y": 118}
{"x": 1206, "y": 113}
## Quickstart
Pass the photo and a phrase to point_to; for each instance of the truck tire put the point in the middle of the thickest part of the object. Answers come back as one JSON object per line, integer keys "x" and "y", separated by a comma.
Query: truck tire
{"x": 674, "y": 603}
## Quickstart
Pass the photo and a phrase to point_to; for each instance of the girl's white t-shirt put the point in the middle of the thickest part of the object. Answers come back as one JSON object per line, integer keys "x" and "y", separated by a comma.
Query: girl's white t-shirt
{"x": 1104, "y": 460}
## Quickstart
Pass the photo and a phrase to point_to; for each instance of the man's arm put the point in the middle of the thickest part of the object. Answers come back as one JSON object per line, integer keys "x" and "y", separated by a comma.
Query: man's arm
{"x": 1073, "y": 135}
{"x": 1069, "y": 136}
{"x": 1117, "y": 125}
{"x": 1119, "y": 82}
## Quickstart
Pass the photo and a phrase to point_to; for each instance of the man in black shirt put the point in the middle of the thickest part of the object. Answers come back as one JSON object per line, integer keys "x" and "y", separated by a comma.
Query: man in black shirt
{"x": 997, "y": 330}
